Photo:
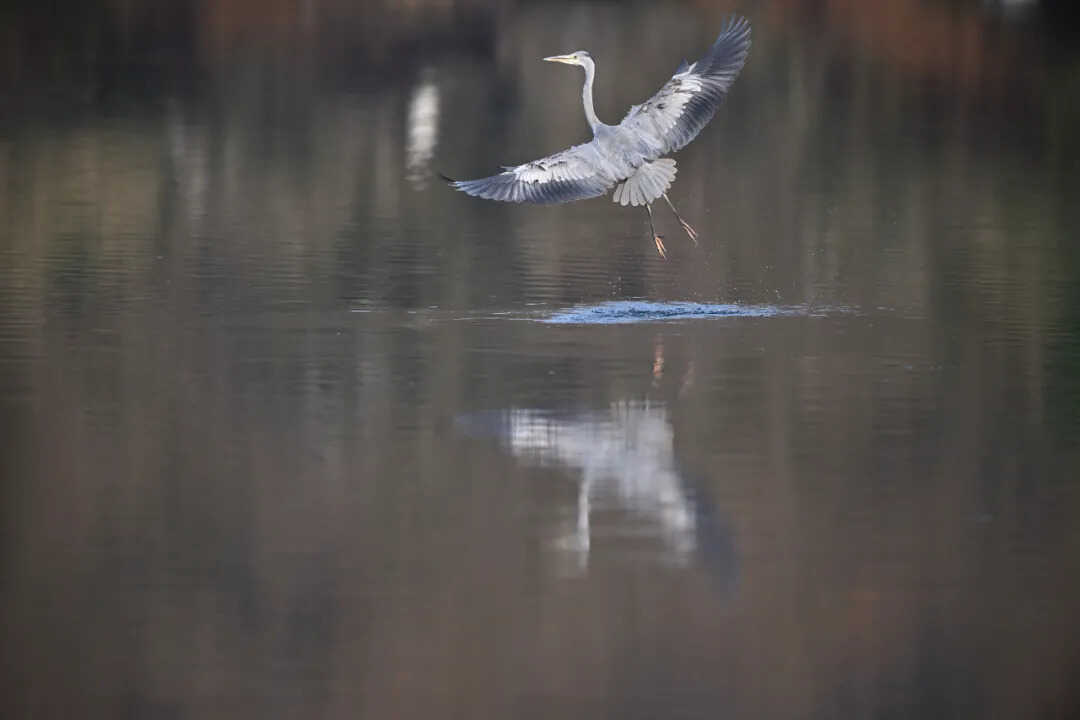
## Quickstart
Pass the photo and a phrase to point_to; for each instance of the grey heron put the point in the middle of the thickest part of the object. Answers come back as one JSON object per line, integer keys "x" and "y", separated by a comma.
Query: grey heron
{"x": 629, "y": 156}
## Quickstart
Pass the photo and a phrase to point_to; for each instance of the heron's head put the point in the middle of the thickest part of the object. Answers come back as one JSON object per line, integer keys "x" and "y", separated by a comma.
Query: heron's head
{"x": 578, "y": 57}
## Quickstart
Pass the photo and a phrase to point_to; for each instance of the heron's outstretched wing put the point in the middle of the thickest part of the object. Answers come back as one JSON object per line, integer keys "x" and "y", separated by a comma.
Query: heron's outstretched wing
{"x": 676, "y": 114}
{"x": 576, "y": 173}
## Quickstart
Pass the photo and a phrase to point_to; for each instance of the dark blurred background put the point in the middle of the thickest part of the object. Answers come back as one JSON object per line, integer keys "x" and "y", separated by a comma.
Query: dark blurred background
{"x": 282, "y": 436}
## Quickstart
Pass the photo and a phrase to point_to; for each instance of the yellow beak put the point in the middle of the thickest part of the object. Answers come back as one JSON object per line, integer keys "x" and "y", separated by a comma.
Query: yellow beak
{"x": 567, "y": 59}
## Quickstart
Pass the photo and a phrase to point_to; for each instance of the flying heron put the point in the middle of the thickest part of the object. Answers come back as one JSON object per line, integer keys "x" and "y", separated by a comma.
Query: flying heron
{"x": 629, "y": 156}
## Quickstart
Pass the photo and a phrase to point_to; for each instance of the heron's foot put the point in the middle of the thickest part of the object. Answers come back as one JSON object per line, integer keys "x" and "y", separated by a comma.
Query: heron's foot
{"x": 690, "y": 231}
{"x": 659, "y": 239}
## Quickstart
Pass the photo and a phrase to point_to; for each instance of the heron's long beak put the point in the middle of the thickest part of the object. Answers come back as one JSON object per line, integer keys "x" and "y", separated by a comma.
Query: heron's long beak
{"x": 567, "y": 59}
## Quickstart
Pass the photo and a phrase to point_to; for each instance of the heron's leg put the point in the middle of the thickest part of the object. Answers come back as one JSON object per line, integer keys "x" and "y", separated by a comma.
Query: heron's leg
{"x": 656, "y": 238}
{"x": 690, "y": 232}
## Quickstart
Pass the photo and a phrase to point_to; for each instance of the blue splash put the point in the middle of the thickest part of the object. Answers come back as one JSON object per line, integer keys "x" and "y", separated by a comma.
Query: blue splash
{"x": 640, "y": 311}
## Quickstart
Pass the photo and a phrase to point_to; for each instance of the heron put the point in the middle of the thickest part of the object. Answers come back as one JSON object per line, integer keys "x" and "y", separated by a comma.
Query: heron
{"x": 631, "y": 156}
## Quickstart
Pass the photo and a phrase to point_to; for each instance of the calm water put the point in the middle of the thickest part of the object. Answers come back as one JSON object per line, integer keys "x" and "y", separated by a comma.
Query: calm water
{"x": 291, "y": 430}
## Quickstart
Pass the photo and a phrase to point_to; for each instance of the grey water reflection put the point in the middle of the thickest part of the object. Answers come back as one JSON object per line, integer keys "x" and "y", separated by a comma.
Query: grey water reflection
{"x": 626, "y": 466}
{"x": 422, "y": 127}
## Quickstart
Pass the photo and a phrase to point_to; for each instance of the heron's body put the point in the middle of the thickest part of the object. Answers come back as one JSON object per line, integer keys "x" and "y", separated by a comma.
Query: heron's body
{"x": 630, "y": 156}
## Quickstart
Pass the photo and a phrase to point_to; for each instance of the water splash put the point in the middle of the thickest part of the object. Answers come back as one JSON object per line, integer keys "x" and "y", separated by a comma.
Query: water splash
{"x": 636, "y": 311}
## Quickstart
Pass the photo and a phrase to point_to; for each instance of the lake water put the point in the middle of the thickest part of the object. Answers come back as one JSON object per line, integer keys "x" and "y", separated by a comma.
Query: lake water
{"x": 291, "y": 429}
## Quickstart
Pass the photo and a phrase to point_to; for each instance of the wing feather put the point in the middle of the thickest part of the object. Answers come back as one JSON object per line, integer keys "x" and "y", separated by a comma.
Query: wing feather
{"x": 572, "y": 174}
{"x": 676, "y": 114}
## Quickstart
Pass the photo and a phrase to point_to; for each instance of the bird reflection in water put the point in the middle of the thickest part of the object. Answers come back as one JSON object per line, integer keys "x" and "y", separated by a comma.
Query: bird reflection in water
{"x": 630, "y": 486}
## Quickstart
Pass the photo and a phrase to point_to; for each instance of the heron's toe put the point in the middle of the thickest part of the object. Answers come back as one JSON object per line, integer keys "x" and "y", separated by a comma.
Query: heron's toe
{"x": 690, "y": 231}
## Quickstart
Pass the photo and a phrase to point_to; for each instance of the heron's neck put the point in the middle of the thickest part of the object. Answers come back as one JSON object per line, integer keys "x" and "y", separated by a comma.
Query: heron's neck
{"x": 586, "y": 94}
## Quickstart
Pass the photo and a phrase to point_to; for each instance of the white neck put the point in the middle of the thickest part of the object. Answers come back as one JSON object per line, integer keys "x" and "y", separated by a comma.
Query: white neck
{"x": 586, "y": 93}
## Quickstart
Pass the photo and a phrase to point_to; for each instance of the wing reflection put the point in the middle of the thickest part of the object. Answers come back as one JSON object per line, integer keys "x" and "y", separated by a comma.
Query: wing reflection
{"x": 630, "y": 485}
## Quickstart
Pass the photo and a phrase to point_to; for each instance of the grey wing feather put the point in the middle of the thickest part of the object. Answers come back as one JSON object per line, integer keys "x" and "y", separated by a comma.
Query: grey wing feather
{"x": 576, "y": 173}
{"x": 676, "y": 114}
